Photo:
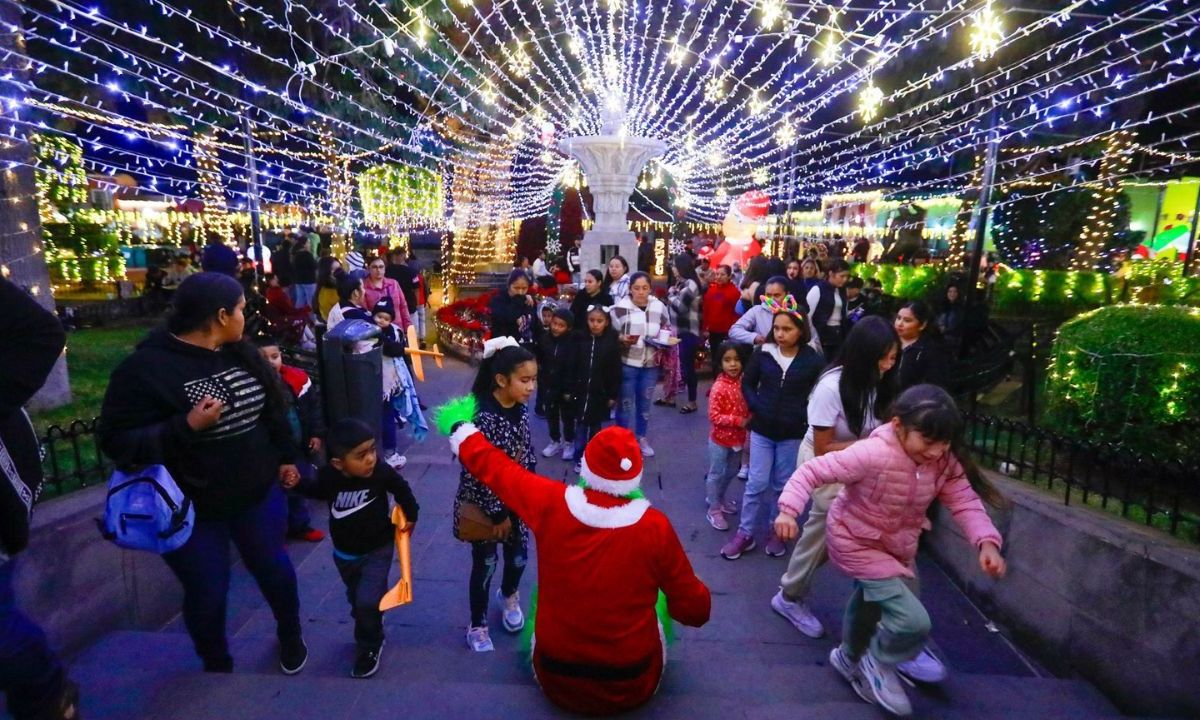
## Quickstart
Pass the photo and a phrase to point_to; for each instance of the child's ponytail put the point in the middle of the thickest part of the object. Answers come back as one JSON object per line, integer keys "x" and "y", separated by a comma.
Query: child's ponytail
{"x": 931, "y": 411}
{"x": 504, "y": 361}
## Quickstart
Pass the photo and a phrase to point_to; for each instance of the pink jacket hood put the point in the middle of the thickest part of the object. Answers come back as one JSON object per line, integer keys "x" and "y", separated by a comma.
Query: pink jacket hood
{"x": 877, "y": 518}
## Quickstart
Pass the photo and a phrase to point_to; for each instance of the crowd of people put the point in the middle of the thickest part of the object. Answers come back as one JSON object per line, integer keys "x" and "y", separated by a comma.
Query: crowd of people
{"x": 818, "y": 402}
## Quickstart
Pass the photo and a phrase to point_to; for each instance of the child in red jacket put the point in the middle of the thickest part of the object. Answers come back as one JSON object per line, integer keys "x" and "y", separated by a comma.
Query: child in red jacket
{"x": 729, "y": 415}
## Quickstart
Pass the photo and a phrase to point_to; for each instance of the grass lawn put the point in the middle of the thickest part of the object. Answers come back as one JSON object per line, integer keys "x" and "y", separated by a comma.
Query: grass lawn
{"x": 92, "y": 354}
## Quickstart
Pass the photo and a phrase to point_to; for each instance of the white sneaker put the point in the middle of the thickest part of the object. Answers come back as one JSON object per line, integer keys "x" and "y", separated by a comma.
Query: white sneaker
{"x": 568, "y": 451}
{"x": 479, "y": 640}
{"x": 925, "y": 668}
{"x": 849, "y": 670}
{"x": 885, "y": 685}
{"x": 514, "y": 619}
{"x": 798, "y": 614}
{"x": 396, "y": 460}
{"x": 552, "y": 449}
{"x": 644, "y": 445}
{"x": 743, "y": 472}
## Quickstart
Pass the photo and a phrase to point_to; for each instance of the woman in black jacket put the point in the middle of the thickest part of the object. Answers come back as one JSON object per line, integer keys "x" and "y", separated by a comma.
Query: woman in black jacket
{"x": 776, "y": 384}
{"x": 595, "y": 362}
{"x": 923, "y": 356}
{"x": 197, "y": 397}
{"x": 592, "y": 293}
{"x": 514, "y": 312}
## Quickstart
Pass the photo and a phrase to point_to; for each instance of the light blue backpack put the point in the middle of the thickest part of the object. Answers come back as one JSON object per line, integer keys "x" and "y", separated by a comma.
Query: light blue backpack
{"x": 146, "y": 510}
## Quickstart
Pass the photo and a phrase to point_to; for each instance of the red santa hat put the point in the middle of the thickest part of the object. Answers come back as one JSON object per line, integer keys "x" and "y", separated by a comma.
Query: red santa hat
{"x": 612, "y": 462}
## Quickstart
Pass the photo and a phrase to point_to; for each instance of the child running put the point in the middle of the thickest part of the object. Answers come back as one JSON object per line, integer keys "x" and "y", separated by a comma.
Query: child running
{"x": 503, "y": 388}
{"x": 553, "y": 384}
{"x": 308, "y": 425}
{"x": 595, "y": 376}
{"x": 356, "y": 486}
{"x": 776, "y": 384}
{"x": 890, "y": 480}
{"x": 729, "y": 415}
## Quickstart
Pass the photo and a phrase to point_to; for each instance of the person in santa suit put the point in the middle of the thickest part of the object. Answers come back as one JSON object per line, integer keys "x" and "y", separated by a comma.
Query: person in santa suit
{"x": 604, "y": 556}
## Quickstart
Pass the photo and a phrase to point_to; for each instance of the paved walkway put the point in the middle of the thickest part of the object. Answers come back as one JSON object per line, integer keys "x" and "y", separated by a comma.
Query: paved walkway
{"x": 746, "y": 663}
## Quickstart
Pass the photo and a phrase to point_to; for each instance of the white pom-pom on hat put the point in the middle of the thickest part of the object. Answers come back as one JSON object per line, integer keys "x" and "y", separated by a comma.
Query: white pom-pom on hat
{"x": 626, "y": 463}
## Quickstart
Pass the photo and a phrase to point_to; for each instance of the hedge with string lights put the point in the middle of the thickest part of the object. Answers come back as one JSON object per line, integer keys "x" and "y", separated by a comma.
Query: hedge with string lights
{"x": 1130, "y": 375}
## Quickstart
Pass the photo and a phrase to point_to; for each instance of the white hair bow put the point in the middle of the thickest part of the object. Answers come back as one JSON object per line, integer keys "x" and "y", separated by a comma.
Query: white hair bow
{"x": 495, "y": 345}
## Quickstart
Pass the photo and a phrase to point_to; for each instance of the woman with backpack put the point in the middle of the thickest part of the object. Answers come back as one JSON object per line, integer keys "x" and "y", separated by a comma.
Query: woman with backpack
{"x": 197, "y": 398}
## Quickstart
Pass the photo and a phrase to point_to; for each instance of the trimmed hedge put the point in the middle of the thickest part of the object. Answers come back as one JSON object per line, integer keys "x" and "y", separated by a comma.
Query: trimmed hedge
{"x": 1130, "y": 375}
{"x": 1051, "y": 292}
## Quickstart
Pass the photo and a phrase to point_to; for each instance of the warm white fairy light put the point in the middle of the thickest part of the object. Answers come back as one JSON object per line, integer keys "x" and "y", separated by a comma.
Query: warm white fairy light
{"x": 987, "y": 32}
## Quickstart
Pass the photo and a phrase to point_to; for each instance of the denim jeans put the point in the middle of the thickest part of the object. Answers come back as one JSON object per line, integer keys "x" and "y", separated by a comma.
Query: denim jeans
{"x": 771, "y": 464}
{"x": 483, "y": 567}
{"x": 305, "y": 294}
{"x": 637, "y": 387}
{"x": 203, "y": 567}
{"x": 389, "y": 425}
{"x": 689, "y": 343}
{"x": 885, "y": 617}
{"x": 418, "y": 319}
{"x": 723, "y": 465}
{"x": 366, "y": 580}
{"x": 30, "y": 674}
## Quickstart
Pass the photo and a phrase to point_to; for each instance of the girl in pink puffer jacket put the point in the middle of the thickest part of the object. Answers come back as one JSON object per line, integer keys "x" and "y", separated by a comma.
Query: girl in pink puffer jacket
{"x": 890, "y": 479}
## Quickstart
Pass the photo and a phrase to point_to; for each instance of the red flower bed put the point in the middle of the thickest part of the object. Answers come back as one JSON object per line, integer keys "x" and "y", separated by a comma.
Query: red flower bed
{"x": 472, "y": 315}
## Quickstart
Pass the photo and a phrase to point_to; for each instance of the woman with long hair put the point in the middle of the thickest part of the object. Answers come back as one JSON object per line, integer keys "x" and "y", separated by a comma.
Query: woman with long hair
{"x": 637, "y": 318}
{"x": 849, "y": 401}
{"x": 514, "y": 312}
{"x": 923, "y": 355}
{"x": 198, "y": 398}
{"x": 329, "y": 269}
{"x": 616, "y": 280}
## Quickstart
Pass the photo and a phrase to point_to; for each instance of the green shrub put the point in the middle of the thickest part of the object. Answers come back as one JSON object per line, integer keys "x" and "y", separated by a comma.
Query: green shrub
{"x": 904, "y": 281}
{"x": 1051, "y": 291}
{"x": 1130, "y": 375}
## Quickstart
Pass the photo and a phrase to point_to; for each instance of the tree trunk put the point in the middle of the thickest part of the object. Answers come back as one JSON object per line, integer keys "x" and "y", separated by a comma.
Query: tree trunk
{"x": 20, "y": 228}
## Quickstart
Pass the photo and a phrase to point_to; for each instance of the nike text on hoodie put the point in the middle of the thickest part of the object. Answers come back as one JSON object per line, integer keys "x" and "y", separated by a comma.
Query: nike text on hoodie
{"x": 359, "y": 514}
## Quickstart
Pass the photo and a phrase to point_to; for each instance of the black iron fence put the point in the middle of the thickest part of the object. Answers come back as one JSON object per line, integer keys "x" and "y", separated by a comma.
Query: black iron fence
{"x": 1161, "y": 494}
{"x": 71, "y": 457}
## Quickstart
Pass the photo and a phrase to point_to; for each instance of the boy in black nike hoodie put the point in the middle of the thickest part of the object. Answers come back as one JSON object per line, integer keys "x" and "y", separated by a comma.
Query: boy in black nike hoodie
{"x": 356, "y": 486}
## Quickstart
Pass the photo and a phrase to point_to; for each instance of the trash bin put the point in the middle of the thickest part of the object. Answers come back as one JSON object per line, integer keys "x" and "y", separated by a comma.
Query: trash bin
{"x": 352, "y": 385}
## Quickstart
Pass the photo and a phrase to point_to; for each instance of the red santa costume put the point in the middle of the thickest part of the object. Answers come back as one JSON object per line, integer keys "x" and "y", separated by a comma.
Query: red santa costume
{"x": 603, "y": 556}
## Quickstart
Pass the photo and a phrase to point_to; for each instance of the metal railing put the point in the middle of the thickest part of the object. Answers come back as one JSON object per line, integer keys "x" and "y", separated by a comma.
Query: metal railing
{"x": 71, "y": 457}
{"x": 1160, "y": 494}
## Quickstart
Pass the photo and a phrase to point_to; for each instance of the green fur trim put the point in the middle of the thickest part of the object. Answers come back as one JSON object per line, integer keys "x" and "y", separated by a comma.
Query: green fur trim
{"x": 635, "y": 495}
{"x": 525, "y": 645}
{"x": 460, "y": 409}
{"x": 664, "y": 618}
{"x": 526, "y": 641}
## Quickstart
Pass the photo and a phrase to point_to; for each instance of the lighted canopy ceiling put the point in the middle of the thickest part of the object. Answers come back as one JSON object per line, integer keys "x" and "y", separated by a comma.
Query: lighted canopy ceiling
{"x": 794, "y": 98}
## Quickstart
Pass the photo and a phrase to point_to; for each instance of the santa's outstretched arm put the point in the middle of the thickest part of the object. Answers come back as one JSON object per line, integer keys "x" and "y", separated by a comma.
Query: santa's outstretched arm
{"x": 525, "y": 493}
{"x": 688, "y": 599}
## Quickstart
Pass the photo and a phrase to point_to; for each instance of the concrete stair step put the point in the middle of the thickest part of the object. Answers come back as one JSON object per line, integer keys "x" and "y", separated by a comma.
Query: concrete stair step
{"x": 427, "y": 672}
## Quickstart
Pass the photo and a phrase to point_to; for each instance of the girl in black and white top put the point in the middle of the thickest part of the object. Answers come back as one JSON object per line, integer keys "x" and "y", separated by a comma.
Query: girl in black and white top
{"x": 502, "y": 388}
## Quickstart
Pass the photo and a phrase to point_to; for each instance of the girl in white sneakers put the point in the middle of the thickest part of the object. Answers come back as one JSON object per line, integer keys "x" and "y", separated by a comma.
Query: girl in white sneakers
{"x": 890, "y": 480}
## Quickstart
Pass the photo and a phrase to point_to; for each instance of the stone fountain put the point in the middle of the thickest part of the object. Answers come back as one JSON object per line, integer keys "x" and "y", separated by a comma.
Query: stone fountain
{"x": 612, "y": 162}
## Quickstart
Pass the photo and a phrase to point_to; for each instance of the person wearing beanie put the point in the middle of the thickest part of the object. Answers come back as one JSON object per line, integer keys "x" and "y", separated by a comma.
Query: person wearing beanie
{"x": 392, "y": 342}
{"x": 598, "y": 646}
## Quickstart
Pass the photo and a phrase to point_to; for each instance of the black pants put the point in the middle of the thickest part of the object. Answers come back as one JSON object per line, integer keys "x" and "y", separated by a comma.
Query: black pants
{"x": 714, "y": 341}
{"x": 483, "y": 567}
{"x": 560, "y": 416}
{"x": 689, "y": 343}
{"x": 583, "y": 435}
{"x": 366, "y": 580}
{"x": 30, "y": 672}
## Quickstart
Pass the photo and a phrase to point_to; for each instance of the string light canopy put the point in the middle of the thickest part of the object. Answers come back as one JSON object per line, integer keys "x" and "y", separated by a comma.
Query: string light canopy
{"x": 796, "y": 99}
